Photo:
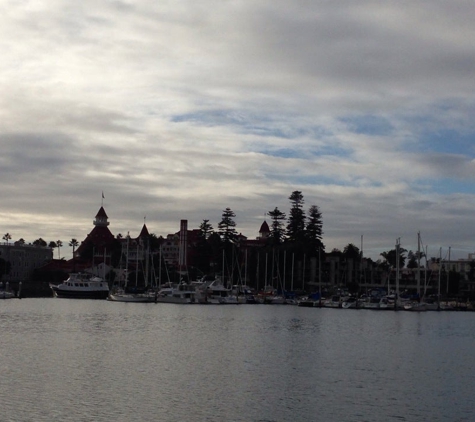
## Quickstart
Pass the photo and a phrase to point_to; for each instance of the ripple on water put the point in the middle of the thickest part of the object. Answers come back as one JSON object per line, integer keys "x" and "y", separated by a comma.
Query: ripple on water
{"x": 96, "y": 360}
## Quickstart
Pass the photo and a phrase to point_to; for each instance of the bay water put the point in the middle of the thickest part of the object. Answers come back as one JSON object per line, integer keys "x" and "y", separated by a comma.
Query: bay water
{"x": 86, "y": 360}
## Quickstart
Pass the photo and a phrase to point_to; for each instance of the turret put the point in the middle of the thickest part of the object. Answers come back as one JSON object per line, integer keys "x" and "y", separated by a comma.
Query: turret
{"x": 101, "y": 218}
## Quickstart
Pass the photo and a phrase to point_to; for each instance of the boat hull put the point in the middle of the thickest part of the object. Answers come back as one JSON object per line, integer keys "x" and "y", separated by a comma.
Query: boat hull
{"x": 177, "y": 300}
{"x": 137, "y": 298}
{"x": 6, "y": 295}
{"x": 76, "y": 294}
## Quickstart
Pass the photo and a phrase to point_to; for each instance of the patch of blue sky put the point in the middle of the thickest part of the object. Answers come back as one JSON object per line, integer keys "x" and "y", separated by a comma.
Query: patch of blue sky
{"x": 445, "y": 141}
{"x": 262, "y": 125}
{"x": 304, "y": 153}
{"x": 209, "y": 118}
{"x": 447, "y": 186}
{"x": 286, "y": 131}
{"x": 321, "y": 180}
{"x": 368, "y": 125}
{"x": 332, "y": 149}
{"x": 304, "y": 179}
{"x": 284, "y": 153}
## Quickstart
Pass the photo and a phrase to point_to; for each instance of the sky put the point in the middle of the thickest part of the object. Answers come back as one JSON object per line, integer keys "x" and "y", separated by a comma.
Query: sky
{"x": 179, "y": 109}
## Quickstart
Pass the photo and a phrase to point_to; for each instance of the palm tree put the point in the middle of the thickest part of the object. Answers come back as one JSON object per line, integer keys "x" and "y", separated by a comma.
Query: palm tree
{"x": 74, "y": 243}
{"x": 7, "y": 237}
{"x": 59, "y": 244}
{"x": 52, "y": 245}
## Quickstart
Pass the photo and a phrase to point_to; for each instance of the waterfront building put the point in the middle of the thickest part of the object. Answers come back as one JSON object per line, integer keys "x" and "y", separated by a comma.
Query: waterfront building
{"x": 100, "y": 241}
{"x": 23, "y": 259}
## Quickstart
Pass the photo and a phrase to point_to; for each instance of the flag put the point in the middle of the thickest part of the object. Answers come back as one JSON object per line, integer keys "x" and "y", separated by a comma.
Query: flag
{"x": 102, "y": 194}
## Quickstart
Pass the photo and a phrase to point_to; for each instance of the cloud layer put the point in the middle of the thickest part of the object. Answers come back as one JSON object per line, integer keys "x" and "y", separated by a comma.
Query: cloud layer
{"x": 179, "y": 109}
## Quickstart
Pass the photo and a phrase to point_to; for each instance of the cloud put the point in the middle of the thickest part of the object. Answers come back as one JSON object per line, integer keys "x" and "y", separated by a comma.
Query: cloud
{"x": 181, "y": 109}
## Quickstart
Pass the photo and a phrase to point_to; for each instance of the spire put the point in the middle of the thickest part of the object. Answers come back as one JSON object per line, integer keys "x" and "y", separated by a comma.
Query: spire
{"x": 101, "y": 218}
{"x": 264, "y": 231}
{"x": 144, "y": 231}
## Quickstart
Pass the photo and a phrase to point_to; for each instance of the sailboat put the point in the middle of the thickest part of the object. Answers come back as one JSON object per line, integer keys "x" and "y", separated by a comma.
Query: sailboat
{"x": 133, "y": 295}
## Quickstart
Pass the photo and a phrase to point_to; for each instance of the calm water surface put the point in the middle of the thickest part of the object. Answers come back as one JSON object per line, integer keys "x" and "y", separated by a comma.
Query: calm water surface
{"x": 80, "y": 360}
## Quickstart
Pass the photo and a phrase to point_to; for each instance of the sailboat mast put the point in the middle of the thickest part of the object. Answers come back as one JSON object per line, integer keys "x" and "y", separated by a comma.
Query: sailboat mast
{"x": 292, "y": 276}
{"x": 283, "y": 278}
{"x": 265, "y": 273}
{"x": 147, "y": 264}
{"x": 257, "y": 272}
{"x": 448, "y": 274}
{"x": 419, "y": 264}
{"x": 127, "y": 262}
{"x": 425, "y": 271}
{"x": 160, "y": 269}
{"x": 224, "y": 284}
{"x": 440, "y": 275}
{"x": 137, "y": 266}
{"x": 396, "y": 302}
{"x": 319, "y": 276}
{"x": 245, "y": 267}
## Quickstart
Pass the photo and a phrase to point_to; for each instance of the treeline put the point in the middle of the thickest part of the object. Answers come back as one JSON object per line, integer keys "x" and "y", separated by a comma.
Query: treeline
{"x": 292, "y": 238}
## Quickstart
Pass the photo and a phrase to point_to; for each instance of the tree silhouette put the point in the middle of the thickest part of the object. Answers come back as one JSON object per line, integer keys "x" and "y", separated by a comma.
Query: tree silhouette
{"x": 391, "y": 257}
{"x": 7, "y": 237}
{"x": 206, "y": 229}
{"x": 227, "y": 226}
{"x": 39, "y": 242}
{"x": 296, "y": 221}
{"x": 59, "y": 243}
{"x": 74, "y": 243}
{"x": 314, "y": 229}
{"x": 277, "y": 227}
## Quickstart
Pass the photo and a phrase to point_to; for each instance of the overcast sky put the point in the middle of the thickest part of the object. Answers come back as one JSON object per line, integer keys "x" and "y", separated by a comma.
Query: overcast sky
{"x": 179, "y": 109}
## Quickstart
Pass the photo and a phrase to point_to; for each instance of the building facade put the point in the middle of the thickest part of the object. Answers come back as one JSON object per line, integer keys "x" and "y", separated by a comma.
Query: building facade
{"x": 23, "y": 259}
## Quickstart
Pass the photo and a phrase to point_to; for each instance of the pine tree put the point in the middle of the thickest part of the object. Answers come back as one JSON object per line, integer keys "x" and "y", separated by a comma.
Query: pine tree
{"x": 227, "y": 226}
{"x": 277, "y": 226}
{"x": 296, "y": 221}
{"x": 206, "y": 229}
{"x": 314, "y": 230}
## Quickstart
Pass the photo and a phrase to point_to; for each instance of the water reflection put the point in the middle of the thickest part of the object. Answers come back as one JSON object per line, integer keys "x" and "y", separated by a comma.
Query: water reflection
{"x": 91, "y": 360}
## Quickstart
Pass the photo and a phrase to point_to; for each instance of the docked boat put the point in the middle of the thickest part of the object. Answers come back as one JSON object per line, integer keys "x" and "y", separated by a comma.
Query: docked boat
{"x": 216, "y": 293}
{"x": 81, "y": 286}
{"x": 350, "y": 302}
{"x": 306, "y": 302}
{"x": 372, "y": 302}
{"x": 415, "y": 306}
{"x": 183, "y": 294}
{"x": 141, "y": 297}
{"x": 384, "y": 304}
{"x": 334, "y": 302}
{"x": 5, "y": 294}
